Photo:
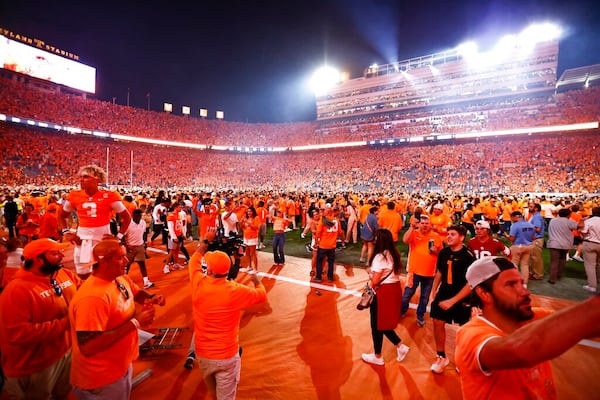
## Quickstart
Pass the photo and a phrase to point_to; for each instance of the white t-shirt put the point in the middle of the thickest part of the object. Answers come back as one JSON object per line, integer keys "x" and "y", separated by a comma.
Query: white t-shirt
{"x": 383, "y": 262}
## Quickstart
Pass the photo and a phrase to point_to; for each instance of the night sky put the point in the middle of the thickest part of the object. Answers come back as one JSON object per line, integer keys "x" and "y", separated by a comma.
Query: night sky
{"x": 252, "y": 59}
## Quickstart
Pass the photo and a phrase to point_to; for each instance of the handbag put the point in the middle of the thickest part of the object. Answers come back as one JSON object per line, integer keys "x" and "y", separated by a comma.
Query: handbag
{"x": 368, "y": 294}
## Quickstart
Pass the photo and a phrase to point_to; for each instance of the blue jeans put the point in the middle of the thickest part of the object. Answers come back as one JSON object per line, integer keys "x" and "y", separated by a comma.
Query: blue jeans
{"x": 426, "y": 283}
{"x": 330, "y": 254}
{"x": 278, "y": 242}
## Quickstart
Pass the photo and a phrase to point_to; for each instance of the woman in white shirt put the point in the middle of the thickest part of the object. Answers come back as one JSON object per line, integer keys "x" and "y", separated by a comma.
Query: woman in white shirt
{"x": 384, "y": 277}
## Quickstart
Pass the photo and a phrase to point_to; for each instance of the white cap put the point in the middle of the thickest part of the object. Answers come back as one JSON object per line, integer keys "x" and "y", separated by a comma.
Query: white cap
{"x": 485, "y": 268}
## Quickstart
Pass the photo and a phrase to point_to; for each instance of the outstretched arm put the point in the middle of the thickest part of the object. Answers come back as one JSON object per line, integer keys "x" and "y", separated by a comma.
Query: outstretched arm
{"x": 543, "y": 339}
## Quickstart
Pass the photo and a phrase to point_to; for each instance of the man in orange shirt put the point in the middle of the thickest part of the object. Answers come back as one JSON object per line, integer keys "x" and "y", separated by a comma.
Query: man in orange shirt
{"x": 104, "y": 326}
{"x": 440, "y": 222}
{"x": 262, "y": 228}
{"x": 390, "y": 219}
{"x": 504, "y": 352}
{"x": 94, "y": 208}
{"x": 328, "y": 230}
{"x": 217, "y": 304}
{"x": 34, "y": 324}
{"x": 492, "y": 213}
{"x": 423, "y": 248}
{"x": 28, "y": 224}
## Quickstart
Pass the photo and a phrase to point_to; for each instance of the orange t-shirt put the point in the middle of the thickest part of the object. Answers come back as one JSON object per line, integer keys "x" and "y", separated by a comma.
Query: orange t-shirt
{"x": 390, "y": 220}
{"x": 440, "y": 223}
{"x": 99, "y": 306}
{"x": 420, "y": 260}
{"x": 536, "y": 382}
{"x": 262, "y": 214}
{"x": 251, "y": 228}
{"x": 217, "y": 305}
{"x": 327, "y": 235}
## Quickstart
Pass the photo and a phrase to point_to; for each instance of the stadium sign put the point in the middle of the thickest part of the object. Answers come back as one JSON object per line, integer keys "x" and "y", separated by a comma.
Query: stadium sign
{"x": 37, "y": 43}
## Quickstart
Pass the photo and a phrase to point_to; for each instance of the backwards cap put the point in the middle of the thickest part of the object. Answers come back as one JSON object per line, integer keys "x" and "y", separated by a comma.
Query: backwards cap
{"x": 485, "y": 268}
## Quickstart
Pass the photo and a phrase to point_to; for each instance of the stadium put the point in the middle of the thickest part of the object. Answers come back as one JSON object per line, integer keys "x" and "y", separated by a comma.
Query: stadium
{"x": 455, "y": 124}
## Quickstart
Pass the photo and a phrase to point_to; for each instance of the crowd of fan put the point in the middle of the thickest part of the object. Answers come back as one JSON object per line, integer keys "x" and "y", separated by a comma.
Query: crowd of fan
{"x": 25, "y": 101}
{"x": 543, "y": 163}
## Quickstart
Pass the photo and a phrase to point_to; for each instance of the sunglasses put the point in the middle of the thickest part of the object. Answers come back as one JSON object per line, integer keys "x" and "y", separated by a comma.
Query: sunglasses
{"x": 123, "y": 290}
{"x": 57, "y": 289}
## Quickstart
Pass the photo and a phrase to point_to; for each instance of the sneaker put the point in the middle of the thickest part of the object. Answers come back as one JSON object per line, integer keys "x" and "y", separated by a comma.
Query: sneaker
{"x": 178, "y": 267}
{"x": 420, "y": 323}
{"x": 148, "y": 285}
{"x": 303, "y": 236}
{"x": 577, "y": 258}
{"x": 166, "y": 269}
{"x": 362, "y": 261}
{"x": 439, "y": 364}
{"x": 317, "y": 280}
{"x": 402, "y": 350}
{"x": 186, "y": 262}
{"x": 371, "y": 359}
{"x": 590, "y": 288}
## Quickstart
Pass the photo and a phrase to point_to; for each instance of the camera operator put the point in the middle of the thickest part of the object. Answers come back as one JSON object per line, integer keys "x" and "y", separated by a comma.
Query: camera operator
{"x": 217, "y": 304}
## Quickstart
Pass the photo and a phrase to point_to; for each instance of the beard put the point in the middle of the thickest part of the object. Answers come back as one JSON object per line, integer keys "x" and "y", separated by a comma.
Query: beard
{"x": 49, "y": 268}
{"x": 519, "y": 312}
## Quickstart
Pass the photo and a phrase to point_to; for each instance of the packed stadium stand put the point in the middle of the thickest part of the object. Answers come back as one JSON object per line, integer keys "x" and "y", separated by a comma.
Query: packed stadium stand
{"x": 396, "y": 114}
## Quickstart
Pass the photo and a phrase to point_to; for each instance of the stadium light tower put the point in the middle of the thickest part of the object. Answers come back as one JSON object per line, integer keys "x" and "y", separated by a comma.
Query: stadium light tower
{"x": 324, "y": 78}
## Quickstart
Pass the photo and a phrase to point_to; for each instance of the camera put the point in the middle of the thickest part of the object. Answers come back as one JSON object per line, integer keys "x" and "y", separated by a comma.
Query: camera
{"x": 232, "y": 245}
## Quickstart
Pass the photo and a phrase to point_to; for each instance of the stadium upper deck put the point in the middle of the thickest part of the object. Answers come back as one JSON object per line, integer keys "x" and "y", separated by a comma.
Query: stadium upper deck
{"x": 446, "y": 79}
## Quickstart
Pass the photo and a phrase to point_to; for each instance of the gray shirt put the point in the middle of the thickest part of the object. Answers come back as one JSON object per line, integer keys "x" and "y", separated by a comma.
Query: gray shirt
{"x": 560, "y": 235}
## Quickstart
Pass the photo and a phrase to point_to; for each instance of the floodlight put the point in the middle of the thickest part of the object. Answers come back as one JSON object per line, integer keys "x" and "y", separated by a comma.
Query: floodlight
{"x": 537, "y": 33}
{"x": 168, "y": 107}
{"x": 467, "y": 50}
{"x": 324, "y": 78}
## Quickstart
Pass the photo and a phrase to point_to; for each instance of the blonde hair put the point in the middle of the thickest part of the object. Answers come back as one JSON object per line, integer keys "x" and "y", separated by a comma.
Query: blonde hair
{"x": 95, "y": 171}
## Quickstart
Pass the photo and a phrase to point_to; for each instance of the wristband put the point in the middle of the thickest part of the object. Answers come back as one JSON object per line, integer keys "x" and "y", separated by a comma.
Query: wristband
{"x": 120, "y": 236}
{"x": 135, "y": 323}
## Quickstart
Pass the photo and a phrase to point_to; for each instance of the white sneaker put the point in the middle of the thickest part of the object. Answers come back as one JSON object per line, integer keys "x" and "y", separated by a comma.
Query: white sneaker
{"x": 402, "y": 350}
{"x": 371, "y": 359}
{"x": 148, "y": 285}
{"x": 303, "y": 236}
{"x": 590, "y": 288}
{"x": 577, "y": 258}
{"x": 166, "y": 269}
{"x": 439, "y": 364}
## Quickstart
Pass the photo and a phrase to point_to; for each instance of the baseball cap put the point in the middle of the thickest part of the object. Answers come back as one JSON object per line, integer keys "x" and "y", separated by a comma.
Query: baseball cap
{"x": 516, "y": 214}
{"x": 218, "y": 261}
{"x": 438, "y": 206}
{"x": 485, "y": 268}
{"x": 483, "y": 224}
{"x": 40, "y": 246}
{"x": 106, "y": 247}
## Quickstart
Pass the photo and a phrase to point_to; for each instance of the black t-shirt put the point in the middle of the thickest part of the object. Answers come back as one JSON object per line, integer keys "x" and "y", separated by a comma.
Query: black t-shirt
{"x": 458, "y": 262}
